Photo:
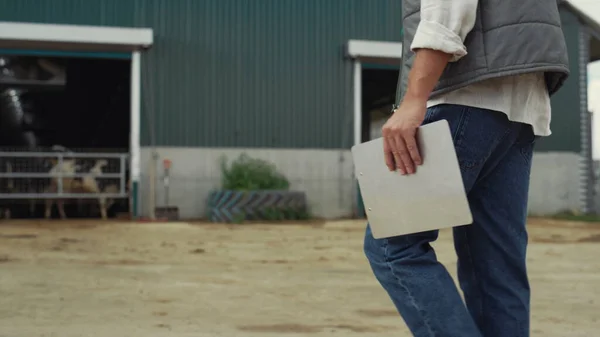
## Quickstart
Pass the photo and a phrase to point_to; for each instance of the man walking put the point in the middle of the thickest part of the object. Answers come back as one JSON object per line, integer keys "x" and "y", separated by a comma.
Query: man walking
{"x": 488, "y": 67}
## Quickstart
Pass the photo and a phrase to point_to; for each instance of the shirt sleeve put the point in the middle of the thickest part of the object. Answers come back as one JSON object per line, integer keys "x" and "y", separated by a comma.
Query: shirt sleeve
{"x": 444, "y": 26}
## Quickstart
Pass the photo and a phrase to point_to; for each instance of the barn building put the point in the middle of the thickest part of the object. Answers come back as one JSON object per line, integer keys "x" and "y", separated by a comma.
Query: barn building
{"x": 296, "y": 82}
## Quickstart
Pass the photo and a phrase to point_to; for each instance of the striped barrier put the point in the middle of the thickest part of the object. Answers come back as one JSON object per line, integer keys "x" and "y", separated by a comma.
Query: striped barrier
{"x": 234, "y": 206}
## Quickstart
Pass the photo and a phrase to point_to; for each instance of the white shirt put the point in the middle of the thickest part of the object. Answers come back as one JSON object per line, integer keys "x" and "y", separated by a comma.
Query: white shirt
{"x": 523, "y": 98}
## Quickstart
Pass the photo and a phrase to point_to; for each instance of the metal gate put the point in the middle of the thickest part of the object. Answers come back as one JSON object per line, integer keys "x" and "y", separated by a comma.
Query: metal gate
{"x": 59, "y": 175}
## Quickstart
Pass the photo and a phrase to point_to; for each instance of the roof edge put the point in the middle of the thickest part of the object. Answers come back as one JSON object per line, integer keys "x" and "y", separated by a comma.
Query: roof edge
{"x": 592, "y": 25}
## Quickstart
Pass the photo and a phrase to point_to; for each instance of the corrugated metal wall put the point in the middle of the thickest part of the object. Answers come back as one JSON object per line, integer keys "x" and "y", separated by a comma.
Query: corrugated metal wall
{"x": 100, "y": 13}
{"x": 261, "y": 73}
{"x": 252, "y": 73}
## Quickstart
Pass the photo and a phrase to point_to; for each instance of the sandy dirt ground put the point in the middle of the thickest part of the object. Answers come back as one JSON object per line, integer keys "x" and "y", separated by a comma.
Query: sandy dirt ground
{"x": 82, "y": 278}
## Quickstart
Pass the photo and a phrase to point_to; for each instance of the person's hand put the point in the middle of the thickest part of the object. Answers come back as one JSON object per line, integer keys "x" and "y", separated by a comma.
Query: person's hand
{"x": 400, "y": 136}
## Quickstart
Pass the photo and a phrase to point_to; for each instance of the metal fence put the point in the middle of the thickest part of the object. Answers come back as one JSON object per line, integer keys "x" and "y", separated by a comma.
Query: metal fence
{"x": 34, "y": 175}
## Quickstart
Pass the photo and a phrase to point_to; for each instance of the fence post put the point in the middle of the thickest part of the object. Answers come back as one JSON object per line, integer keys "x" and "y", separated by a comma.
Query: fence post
{"x": 152, "y": 185}
{"x": 122, "y": 172}
{"x": 60, "y": 173}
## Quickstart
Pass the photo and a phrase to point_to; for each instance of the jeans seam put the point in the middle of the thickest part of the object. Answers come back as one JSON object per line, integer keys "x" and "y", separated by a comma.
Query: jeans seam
{"x": 518, "y": 233}
{"x": 474, "y": 276}
{"x": 524, "y": 151}
{"x": 428, "y": 114}
{"x": 500, "y": 140}
{"x": 460, "y": 130}
{"x": 410, "y": 296}
{"x": 526, "y": 158}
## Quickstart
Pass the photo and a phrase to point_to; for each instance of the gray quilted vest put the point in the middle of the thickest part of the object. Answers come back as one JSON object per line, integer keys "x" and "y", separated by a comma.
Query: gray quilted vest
{"x": 510, "y": 37}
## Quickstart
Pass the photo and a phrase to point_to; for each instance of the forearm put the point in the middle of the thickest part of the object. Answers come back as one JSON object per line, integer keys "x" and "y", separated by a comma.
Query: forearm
{"x": 438, "y": 40}
{"x": 425, "y": 73}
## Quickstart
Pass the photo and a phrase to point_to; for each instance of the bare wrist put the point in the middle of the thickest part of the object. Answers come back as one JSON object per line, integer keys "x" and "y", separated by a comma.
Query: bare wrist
{"x": 416, "y": 97}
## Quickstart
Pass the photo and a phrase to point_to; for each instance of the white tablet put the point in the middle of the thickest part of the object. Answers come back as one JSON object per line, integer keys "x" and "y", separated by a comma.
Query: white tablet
{"x": 432, "y": 198}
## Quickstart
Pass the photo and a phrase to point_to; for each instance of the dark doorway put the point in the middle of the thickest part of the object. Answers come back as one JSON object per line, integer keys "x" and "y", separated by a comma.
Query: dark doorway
{"x": 378, "y": 94}
{"x": 79, "y": 103}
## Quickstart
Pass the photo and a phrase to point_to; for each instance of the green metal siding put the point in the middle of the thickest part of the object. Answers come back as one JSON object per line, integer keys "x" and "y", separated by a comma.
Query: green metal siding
{"x": 81, "y": 12}
{"x": 565, "y": 103}
{"x": 268, "y": 73}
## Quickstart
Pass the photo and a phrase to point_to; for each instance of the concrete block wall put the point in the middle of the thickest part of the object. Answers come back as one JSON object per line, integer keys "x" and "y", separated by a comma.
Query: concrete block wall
{"x": 554, "y": 185}
{"x": 327, "y": 177}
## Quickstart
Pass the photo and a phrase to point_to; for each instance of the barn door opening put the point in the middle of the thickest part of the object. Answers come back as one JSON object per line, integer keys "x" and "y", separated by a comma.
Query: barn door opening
{"x": 375, "y": 65}
{"x": 62, "y": 106}
{"x": 378, "y": 87}
{"x": 378, "y": 94}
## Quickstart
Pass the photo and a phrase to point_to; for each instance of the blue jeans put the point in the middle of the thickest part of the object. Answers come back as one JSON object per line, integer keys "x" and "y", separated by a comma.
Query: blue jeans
{"x": 494, "y": 155}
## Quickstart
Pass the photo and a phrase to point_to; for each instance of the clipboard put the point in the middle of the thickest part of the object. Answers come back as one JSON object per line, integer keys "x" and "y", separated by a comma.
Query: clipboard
{"x": 432, "y": 198}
